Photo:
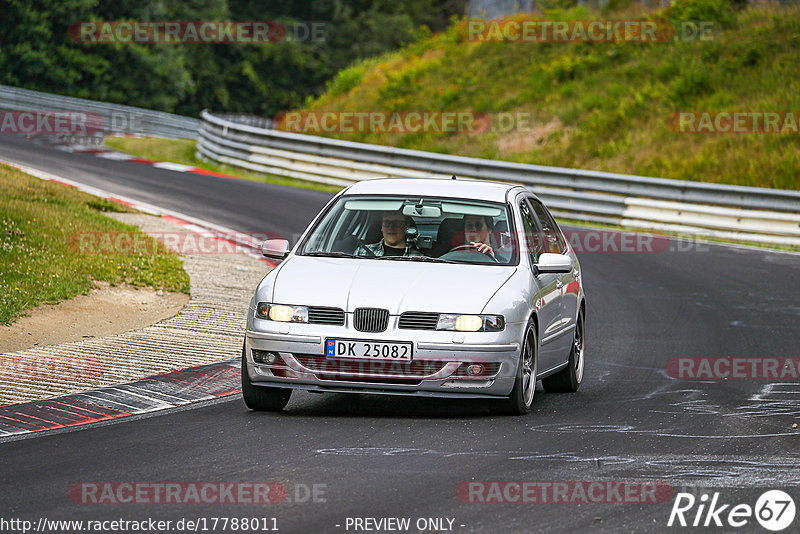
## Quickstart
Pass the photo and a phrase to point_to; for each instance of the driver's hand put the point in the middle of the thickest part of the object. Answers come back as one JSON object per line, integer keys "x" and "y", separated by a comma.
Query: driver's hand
{"x": 482, "y": 247}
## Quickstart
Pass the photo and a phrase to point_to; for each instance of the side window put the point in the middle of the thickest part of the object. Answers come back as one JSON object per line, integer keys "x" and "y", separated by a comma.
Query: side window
{"x": 553, "y": 240}
{"x": 533, "y": 243}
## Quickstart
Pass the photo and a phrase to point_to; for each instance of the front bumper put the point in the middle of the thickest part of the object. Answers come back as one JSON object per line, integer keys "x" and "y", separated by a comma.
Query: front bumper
{"x": 438, "y": 367}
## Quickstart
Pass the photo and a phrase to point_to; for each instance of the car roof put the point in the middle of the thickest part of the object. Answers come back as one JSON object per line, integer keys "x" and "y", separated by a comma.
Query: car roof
{"x": 435, "y": 187}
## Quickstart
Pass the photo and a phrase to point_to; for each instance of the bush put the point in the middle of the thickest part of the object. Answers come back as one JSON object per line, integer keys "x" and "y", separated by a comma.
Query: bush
{"x": 345, "y": 80}
{"x": 719, "y": 11}
{"x": 693, "y": 81}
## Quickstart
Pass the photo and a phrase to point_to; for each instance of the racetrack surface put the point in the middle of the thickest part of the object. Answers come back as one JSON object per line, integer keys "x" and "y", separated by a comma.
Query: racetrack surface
{"x": 405, "y": 457}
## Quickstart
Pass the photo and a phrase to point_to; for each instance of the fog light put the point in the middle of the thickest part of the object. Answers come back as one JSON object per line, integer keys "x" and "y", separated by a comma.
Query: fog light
{"x": 475, "y": 369}
{"x": 264, "y": 357}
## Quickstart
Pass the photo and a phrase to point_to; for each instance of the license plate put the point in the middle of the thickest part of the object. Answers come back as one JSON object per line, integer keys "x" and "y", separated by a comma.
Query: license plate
{"x": 368, "y": 350}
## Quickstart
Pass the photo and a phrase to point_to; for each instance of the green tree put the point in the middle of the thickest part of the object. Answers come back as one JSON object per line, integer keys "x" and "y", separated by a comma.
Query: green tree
{"x": 36, "y": 51}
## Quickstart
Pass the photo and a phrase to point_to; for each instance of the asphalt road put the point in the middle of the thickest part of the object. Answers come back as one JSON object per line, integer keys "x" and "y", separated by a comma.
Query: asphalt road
{"x": 238, "y": 204}
{"x": 396, "y": 457}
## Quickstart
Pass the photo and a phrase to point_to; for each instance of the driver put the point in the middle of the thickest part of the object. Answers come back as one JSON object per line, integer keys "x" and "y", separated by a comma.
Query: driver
{"x": 393, "y": 227}
{"x": 476, "y": 232}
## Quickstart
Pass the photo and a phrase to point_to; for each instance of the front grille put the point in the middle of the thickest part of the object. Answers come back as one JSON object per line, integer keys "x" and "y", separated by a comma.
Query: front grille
{"x": 370, "y": 380}
{"x": 419, "y": 321}
{"x": 370, "y": 319}
{"x": 324, "y": 315}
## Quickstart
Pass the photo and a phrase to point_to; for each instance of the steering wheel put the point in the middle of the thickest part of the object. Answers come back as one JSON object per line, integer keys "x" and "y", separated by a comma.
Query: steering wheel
{"x": 470, "y": 248}
{"x": 464, "y": 247}
{"x": 362, "y": 246}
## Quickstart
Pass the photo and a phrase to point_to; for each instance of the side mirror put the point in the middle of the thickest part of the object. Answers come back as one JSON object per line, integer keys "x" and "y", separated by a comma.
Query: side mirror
{"x": 554, "y": 263}
{"x": 276, "y": 249}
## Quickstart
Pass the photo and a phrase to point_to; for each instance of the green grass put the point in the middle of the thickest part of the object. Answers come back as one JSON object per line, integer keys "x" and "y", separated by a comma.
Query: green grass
{"x": 601, "y": 106}
{"x": 183, "y": 151}
{"x": 40, "y": 256}
{"x": 172, "y": 150}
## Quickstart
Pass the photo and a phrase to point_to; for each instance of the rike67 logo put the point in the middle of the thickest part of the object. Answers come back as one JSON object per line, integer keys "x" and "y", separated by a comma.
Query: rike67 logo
{"x": 774, "y": 510}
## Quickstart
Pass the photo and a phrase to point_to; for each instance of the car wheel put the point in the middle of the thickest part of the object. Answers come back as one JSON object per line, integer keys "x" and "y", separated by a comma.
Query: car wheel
{"x": 569, "y": 379}
{"x": 521, "y": 397}
{"x": 260, "y": 398}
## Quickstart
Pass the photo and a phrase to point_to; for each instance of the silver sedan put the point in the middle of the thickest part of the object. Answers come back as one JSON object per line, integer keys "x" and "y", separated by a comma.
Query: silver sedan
{"x": 428, "y": 288}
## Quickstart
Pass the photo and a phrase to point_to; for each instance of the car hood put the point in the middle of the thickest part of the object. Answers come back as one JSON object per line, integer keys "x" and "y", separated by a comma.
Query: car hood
{"x": 398, "y": 286}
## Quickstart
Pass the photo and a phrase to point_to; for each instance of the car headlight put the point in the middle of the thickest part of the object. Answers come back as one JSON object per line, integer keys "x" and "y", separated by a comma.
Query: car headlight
{"x": 470, "y": 323}
{"x": 282, "y": 313}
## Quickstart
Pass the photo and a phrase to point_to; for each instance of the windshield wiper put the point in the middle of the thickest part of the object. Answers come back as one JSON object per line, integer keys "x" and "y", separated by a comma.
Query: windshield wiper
{"x": 416, "y": 258}
{"x": 321, "y": 254}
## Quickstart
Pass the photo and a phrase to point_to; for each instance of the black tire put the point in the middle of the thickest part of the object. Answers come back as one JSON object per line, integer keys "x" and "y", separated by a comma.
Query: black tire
{"x": 521, "y": 397}
{"x": 569, "y": 379}
{"x": 261, "y": 398}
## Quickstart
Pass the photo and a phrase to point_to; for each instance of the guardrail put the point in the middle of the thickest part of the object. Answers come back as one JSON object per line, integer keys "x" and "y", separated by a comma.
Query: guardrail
{"x": 715, "y": 210}
{"x": 105, "y": 117}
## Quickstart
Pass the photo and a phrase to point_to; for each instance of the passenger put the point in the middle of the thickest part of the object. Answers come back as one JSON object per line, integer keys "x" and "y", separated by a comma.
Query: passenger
{"x": 393, "y": 227}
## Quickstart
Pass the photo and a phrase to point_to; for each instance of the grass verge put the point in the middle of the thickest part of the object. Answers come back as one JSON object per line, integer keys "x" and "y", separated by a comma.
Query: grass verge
{"x": 183, "y": 151}
{"x": 42, "y": 223}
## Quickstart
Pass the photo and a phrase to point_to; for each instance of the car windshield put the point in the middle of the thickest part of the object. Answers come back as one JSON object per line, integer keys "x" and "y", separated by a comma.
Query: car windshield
{"x": 423, "y": 229}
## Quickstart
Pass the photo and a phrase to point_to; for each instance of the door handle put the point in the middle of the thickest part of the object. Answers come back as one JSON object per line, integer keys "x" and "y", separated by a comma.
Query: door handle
{"x": 559, "y": 283}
